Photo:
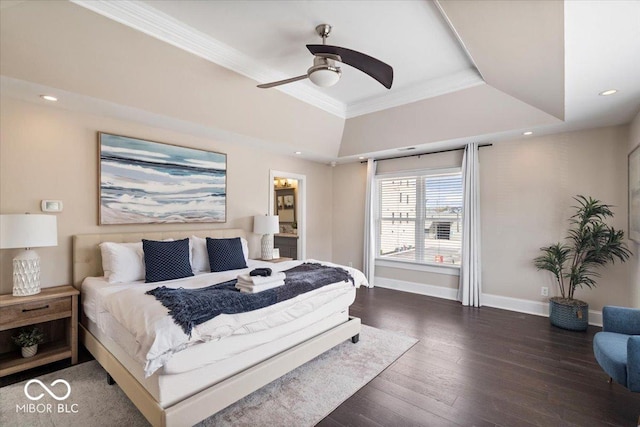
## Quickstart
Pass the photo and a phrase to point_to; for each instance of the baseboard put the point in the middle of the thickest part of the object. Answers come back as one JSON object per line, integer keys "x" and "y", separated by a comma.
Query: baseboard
{"x": 537, "y": 308}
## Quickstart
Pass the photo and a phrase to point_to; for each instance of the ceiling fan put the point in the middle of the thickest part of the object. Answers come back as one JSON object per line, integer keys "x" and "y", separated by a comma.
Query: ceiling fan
{"x": 324, "y": 72}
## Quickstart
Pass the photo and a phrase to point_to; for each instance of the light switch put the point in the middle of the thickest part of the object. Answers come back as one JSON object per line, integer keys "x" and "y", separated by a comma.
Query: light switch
{"x": 51, "y": 206}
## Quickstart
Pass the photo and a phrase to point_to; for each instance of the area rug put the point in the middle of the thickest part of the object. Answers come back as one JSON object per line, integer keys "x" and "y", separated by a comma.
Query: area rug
{"x": 302, "y": 397}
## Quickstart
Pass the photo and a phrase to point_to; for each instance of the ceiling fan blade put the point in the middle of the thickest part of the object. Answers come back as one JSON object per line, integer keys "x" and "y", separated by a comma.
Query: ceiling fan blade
{"x": 374, "y": 67}
{"x": 282, "y": 82}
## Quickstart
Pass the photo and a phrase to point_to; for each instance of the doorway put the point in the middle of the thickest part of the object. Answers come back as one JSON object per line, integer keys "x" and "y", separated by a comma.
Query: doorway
{"x": 287, "y": 199}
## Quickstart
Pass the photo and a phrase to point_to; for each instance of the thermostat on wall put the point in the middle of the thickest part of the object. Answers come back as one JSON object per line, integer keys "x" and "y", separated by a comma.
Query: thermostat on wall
{"x": 51, "y": 206}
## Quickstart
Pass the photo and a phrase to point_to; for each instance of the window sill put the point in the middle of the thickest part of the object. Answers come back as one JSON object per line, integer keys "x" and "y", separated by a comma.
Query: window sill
{"x": 450, "y": 270}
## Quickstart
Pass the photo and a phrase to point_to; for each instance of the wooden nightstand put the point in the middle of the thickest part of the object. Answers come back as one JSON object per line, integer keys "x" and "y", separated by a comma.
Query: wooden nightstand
{"x": 281, "y": 259}
{"x": 55, "y": 312}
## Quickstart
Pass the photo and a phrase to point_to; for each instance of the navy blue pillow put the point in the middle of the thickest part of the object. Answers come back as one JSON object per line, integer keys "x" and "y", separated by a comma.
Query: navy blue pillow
{"x": 225, "y": 254}
{"x": 166, "y": 260}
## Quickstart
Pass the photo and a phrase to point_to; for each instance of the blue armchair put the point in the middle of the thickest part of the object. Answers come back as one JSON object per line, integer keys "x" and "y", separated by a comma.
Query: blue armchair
{"x": 617, "y": 347}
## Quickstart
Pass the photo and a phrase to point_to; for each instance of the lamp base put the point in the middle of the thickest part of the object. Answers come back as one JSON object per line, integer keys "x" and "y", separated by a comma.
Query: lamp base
{"x": 267, "y": 246}
{"x": 26, "y": 274}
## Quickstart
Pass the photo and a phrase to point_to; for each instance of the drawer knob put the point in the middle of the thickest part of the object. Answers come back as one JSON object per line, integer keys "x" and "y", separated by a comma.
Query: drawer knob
{"x": 24, "y": 310}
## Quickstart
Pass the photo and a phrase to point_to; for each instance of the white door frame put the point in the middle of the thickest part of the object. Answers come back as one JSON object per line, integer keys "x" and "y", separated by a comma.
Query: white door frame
{"x": 301, "y": 206}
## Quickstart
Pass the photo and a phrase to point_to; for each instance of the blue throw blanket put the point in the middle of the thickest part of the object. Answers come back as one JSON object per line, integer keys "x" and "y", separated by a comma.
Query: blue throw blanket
{"x": 191, "y": 307}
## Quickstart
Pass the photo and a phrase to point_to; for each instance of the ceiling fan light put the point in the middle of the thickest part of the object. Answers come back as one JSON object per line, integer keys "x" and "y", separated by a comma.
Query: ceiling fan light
{"x": 325, "y": 77}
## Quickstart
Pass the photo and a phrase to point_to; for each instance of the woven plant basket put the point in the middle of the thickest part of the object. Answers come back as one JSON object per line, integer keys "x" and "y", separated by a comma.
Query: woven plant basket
{"x": 569, "y": 314}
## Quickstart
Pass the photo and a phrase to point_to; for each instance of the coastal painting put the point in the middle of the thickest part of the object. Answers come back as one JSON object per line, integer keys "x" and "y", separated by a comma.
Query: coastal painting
{"x": 146, "y": 182}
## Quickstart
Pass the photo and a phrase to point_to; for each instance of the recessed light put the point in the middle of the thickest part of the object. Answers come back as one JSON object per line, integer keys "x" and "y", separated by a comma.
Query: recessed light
{"x": 608, "y": 92}
{"x": 360, "y": 158}
{"x": 527, "y": 133}
{"x": 49, "y": 97}
{"x": 298, "y": 152}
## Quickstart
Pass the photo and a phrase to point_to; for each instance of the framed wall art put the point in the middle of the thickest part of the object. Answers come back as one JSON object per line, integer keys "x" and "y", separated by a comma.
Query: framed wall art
{"x": 146, "y": 182}
{"x": 634, "y": 195}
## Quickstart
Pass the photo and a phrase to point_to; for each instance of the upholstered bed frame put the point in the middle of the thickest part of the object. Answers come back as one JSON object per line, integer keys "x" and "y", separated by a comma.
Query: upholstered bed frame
{"x": 87, "y": 262}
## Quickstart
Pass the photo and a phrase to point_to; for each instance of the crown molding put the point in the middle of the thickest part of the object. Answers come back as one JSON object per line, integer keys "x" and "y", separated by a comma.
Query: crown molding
{"x": 148, "y": 20}
{"x": 430, "y": 89}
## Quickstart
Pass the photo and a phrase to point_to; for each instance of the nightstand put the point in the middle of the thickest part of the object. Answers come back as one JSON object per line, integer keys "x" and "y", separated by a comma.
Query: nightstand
{"x": 281, "y": 259}
{"x": 55, "y": 312}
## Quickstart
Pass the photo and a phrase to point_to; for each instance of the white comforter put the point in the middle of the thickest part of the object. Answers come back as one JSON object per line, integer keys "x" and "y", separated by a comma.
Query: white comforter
{"x": 159, "y": 337}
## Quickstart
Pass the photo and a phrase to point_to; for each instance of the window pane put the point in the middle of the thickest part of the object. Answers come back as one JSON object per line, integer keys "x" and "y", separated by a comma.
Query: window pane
{"x": 420, "y": 218}
{"x": 443, "y": 215}
{"x": 397, "y": 217}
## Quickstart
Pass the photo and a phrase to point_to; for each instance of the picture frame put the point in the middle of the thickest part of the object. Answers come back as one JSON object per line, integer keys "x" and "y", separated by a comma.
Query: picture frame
{"x": 634, "y": 194}
{"x": 149, "y": 182}
{"x": 285, "y": 204}
{"x": 288, "y": 201}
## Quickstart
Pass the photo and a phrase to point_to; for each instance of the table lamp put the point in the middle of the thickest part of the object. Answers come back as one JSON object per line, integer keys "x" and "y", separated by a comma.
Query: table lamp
{"x": 27, "y": 231}
{"x": 266, "y": 225}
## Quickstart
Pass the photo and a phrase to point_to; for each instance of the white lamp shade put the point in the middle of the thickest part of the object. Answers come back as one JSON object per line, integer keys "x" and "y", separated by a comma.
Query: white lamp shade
{"x": 266, "y": 224}
{"x": 28, "y": 231}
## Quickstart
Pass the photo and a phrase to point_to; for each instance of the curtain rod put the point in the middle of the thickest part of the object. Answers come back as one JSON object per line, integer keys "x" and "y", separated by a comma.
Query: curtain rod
{"x": 424, "y": 154}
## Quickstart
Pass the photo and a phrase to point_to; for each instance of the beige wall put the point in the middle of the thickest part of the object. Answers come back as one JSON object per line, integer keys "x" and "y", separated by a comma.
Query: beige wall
{"x": 50, "y": 153}
{"x": 349, "y": 194}
{"x": 634, "y": 141}
{"x": 466, "y": 113}
{"x": 534, "y": 75}
{"x": 65, "y": 46}
{"x": 526, "y": 193}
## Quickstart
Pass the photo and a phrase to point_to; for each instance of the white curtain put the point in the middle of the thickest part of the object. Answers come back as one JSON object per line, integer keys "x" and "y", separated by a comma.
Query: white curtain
{"x": 369, "y": 224}
{"x": 470, "y": 271}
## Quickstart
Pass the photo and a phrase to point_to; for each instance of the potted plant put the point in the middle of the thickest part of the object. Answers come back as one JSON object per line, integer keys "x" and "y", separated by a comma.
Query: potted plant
{"x": 28, "y": 339}
{"x": 591, "y": 243}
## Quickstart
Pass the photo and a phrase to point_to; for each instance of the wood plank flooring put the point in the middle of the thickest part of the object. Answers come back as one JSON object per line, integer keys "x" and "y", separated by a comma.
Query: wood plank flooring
{"x": 481, "y": 367}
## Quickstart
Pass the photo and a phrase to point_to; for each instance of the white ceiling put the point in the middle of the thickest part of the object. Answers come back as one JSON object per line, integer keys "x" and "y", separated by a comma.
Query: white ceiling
{"x": 602, "y": 51}
{"x": 275, "y": 33}
{"x": 266, "y": 41}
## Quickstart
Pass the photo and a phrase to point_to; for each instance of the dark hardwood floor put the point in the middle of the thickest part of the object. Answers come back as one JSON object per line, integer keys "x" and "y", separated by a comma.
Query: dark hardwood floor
{"x": 472, "y": 367}
{"x": 481, "y": 367}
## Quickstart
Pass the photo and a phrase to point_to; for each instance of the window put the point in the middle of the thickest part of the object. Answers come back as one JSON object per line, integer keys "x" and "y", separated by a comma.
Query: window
{"x": 419, "y": 218}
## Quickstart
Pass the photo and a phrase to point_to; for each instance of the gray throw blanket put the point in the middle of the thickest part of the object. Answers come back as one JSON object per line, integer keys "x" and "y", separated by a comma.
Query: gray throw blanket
{"x": 191, "y": 307}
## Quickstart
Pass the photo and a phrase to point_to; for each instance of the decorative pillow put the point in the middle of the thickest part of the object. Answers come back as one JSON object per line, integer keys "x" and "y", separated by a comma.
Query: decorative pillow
{"x": 122, "y": 262}
{"x": 225, "y": 254}
{"x": 200, "y": 255}
{"x": 166, "y": 260}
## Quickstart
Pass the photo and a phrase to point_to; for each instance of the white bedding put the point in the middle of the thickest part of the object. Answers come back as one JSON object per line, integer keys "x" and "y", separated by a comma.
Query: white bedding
{"x": 158, "y": 337}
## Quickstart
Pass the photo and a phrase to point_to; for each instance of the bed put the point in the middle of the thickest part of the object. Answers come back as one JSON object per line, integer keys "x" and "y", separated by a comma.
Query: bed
{"x": 203, "y": 377}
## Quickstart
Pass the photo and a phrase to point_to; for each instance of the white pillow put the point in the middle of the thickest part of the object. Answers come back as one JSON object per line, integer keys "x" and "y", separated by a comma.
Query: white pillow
{"x": 200, "y": 255}
{"x": 245, "y": 249}
{"x": 122, "y": 262}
